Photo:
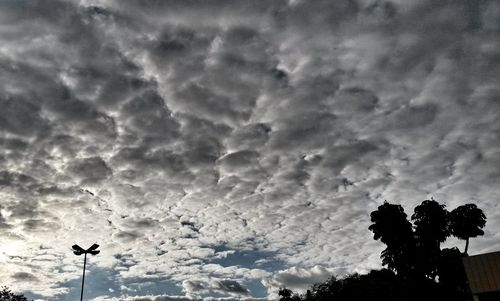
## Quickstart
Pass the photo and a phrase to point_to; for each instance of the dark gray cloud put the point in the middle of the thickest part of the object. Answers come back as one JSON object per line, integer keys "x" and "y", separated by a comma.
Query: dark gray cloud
{"x": 24, "y": 276}
{"x": 252, "y": 136}
{"x": 197, "y": 287}
{"x": 297, "y": 278}
{"x": 13, "y": 179}
{"x": 20, "y": 117}
{"x": 231, "y": 286}
{"x": 92, "y": 169}
{"x": 166, "y": 129}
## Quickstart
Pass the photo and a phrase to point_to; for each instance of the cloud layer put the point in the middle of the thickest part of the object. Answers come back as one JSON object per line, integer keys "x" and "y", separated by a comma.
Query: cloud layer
{"x": 231, "y": 147}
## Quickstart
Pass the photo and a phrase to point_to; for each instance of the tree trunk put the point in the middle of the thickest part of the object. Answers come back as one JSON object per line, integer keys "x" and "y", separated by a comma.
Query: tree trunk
{"x": 466, "y": 245}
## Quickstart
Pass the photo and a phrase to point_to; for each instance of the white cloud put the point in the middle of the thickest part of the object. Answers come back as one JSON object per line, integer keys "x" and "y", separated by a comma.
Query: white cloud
{"x": 297, "y": 279}
{"x": 164, "y": 131}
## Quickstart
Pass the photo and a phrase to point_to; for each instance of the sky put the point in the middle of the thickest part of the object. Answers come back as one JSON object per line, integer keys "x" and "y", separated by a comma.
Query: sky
{"x": 219, "y": 150}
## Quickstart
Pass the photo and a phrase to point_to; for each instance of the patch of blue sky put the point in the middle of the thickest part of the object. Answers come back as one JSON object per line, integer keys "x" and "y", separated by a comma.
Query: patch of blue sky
{"x": 105, "y": 282}
{"x": 99, "y": 282}
{"x": 251, "y": 259}
{"x": 257, "y": 290}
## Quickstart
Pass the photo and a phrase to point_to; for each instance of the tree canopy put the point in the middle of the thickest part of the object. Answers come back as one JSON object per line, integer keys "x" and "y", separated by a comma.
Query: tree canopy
{"x": 7, "y": 295}
{"x": 391, "y": 226}
{"x": 430, "y": 221}
{"x": 415, "y": 250}
{"x": 467, "y": 221}
{"x": 417, "y": 267}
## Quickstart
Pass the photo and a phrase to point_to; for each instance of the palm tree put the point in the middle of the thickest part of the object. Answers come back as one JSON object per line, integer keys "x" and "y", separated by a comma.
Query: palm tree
{"x": 466, "y": 221}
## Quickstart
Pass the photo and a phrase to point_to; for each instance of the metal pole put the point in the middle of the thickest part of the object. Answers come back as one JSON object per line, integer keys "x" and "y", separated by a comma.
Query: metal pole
{"x": 83, "y": 279}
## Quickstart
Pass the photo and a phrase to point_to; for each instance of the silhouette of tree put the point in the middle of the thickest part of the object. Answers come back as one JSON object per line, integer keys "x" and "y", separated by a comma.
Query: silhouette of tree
{"x": 413, "y": 256}
{"x": 452, "y": 275}
{"x": 376, "y": 285}
{"x": 288, "y": 295}
{"x": 391, "y": 226}
{"x": 466, "y": 221}
{"x": 430, "y": 221}
{"x": 7, "y": 295}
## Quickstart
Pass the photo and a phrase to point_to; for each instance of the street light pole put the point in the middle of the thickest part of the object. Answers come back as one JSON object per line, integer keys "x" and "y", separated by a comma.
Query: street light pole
{"x": 83, "y": 279}
{"x": 77, "y": 250}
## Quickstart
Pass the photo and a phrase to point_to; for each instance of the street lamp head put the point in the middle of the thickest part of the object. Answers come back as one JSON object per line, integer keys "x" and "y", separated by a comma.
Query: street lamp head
{"x": 77, "y": 250}
{"x": 92, "y": 248}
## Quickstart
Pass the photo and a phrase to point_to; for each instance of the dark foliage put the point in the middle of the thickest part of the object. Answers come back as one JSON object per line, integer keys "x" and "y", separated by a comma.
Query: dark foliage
{"x": 288, "y": 295}
{"x": 417, "y": 268}
{"x": 7, "y": 295}
{"x": 467, "y": 221}
{"x": 376, "y": 285}
{"x": 430, "y": 221}
{"x": 391, "y": 226}
{"x": 452, "y": 276}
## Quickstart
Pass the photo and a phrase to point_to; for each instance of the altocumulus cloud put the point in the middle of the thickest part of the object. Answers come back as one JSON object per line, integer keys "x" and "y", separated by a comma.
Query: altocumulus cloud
{"x": 222, "y": 149}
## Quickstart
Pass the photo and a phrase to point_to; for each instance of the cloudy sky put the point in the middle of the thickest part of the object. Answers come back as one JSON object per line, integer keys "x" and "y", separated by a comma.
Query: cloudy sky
{"x": 221, "y": 149}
